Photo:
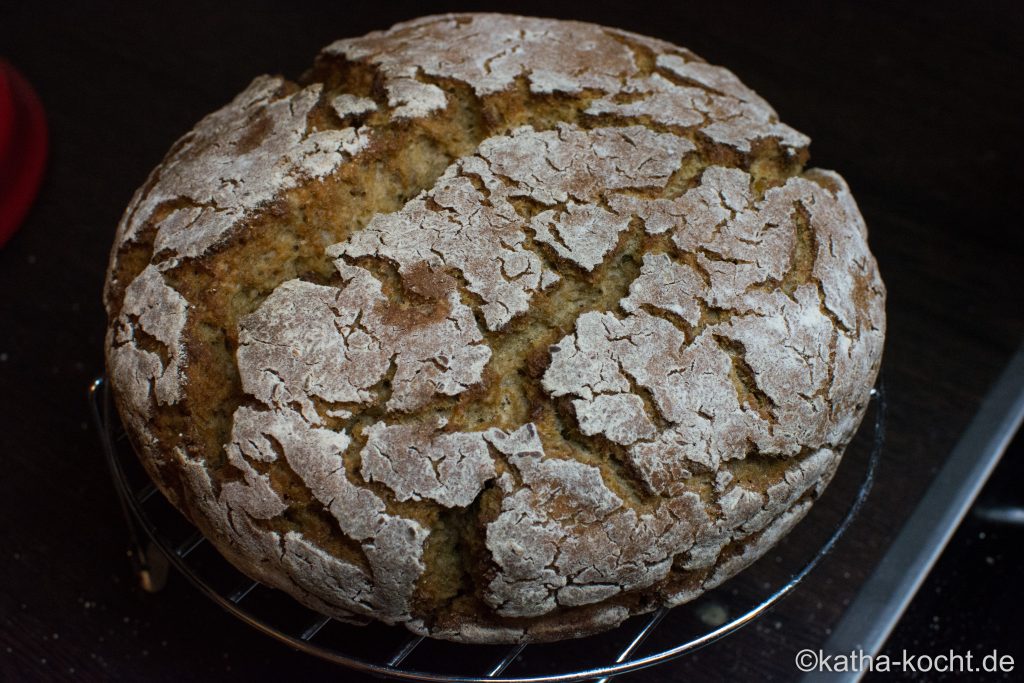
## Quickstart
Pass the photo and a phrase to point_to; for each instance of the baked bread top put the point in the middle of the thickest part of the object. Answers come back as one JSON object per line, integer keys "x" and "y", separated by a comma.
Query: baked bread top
{"x": 492, "y": 326}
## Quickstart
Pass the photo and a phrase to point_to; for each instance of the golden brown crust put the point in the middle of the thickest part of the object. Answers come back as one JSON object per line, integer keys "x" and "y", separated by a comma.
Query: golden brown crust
{"x": 500, "y": 328}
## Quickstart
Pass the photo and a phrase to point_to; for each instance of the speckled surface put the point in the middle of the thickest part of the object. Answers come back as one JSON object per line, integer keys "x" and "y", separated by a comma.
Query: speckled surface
{"x": 972, "y": 600}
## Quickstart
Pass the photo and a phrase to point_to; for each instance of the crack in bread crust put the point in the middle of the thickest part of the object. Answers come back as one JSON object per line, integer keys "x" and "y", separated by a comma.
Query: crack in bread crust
{"x": 491, "y": 337}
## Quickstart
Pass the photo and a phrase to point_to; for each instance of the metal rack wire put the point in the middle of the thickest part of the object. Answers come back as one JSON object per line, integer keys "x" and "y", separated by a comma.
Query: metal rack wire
{"x": 172, "y": 539}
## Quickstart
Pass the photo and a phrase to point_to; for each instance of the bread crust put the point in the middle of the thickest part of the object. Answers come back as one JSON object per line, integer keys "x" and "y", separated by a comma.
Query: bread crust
{"x": 495, "y": 327}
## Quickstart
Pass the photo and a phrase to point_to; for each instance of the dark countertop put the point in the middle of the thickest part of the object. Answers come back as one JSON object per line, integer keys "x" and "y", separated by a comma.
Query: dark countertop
{"x": 919, "y": 107}
{"x": 986, "y": 555}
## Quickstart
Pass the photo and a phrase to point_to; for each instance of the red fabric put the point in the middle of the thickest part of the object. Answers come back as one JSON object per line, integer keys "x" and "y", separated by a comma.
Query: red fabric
{"x": 23, "y": 144}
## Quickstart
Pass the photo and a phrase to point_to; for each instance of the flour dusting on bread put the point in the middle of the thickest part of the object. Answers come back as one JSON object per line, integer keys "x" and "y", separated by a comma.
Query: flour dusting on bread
{"x": 500, "y": 328}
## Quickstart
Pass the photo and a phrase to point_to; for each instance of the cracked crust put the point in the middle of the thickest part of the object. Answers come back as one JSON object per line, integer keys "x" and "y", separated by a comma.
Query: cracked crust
{"x": 499, "y": 328}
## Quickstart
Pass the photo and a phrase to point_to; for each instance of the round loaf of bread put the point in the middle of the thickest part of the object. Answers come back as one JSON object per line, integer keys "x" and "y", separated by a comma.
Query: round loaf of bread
{"x": 494, "y": 327}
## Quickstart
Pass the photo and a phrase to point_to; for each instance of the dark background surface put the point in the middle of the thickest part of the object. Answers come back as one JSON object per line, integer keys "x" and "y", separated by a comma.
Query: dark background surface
{"x": 919, "y": 107}
{"x": 964, "y": 605}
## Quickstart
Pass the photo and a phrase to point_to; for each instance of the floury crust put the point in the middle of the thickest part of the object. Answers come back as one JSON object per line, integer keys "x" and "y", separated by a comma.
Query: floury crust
{"x": 499, "y": 328}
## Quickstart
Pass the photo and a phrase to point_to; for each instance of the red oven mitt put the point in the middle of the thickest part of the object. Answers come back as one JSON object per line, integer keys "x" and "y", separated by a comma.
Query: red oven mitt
{"x": 23, "y": 142}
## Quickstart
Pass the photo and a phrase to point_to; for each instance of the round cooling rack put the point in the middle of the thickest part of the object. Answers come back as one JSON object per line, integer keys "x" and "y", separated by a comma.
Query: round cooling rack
{"x": 393, "y": 652}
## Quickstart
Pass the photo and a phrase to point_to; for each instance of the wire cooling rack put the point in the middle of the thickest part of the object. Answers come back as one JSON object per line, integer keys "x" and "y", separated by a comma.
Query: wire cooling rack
{"x": 393, "y": 652}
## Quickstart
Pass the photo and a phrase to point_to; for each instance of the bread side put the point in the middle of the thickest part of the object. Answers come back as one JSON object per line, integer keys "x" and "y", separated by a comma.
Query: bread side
{"x": 499, "y": 328}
